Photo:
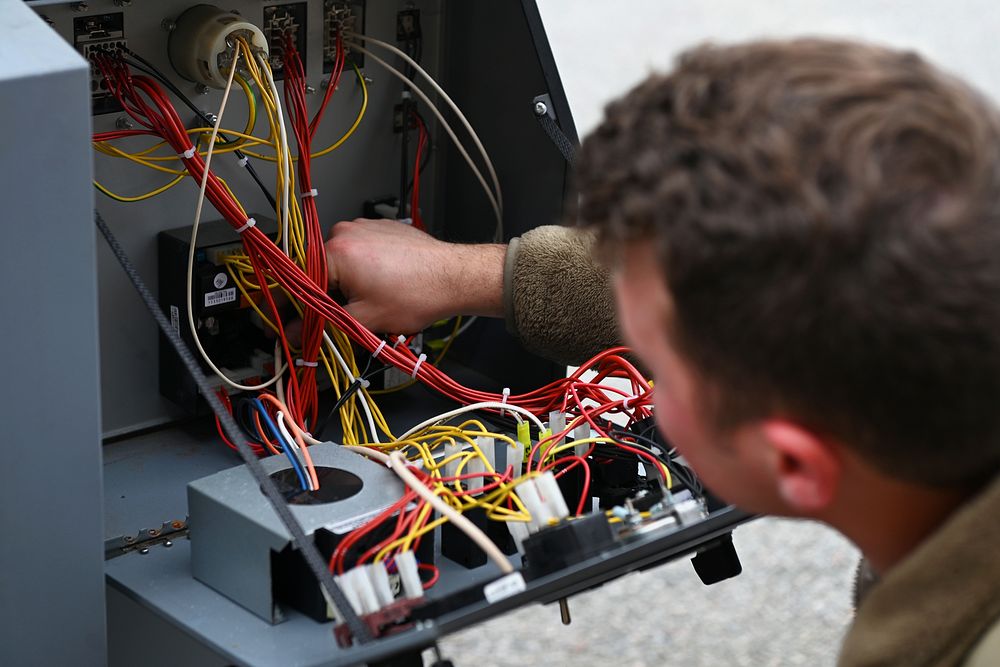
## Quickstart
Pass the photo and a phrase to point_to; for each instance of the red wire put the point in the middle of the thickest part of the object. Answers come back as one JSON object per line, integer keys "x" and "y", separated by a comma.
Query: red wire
{"x": 145, "y": 101}
{"x": 415, "y": 215}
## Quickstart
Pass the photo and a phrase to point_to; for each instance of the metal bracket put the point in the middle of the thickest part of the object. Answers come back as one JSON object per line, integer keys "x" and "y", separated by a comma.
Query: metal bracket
{"x": 147, "y": 537}
{"x": 546, "y": 117}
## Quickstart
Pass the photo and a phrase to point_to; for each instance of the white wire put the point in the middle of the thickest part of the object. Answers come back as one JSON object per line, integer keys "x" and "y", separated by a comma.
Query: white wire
{"x": 285, "y": 155}
{"x": 399, "y": 465}
{"x": 471, "y": 408}
{"x": 294, "y": 445}
{"x": 451, "y": 133}
{"x": 462, "y": 329}
{"x": 451, "y": 103}
{"x": 351, "y": 378}
{"x": 191, "y": 251}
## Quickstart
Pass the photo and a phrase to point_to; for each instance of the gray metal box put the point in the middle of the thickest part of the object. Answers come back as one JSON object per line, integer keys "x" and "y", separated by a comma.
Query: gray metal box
{"x": 234, "y": 530}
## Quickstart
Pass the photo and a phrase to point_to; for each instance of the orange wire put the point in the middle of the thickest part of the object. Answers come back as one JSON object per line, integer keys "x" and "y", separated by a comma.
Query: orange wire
{"x": 297, "y": 434}
{"x": 263, "y": 433}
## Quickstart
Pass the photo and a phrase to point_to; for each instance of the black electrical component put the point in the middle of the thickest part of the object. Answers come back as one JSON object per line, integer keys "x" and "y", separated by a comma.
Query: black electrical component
{"x": 296, "y": 587}
{"x": 458, "y": 547}
{"x": 568, "y": 542}
{"x": 228, "y": 328}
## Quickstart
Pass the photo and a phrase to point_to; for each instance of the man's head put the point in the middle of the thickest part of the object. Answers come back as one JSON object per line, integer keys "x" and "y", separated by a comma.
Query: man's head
{"x": 806, "y": 237}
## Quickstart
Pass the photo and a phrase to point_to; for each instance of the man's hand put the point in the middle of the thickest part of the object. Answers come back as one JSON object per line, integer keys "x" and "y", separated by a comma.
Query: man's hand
{"x": 398, "y": 279}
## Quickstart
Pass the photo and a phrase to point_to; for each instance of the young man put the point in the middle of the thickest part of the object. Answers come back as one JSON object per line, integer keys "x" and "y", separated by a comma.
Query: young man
{"x": 804, "y": 242}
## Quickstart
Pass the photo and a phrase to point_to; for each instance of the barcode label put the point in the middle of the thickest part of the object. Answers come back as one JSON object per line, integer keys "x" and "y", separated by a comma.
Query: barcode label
{"x": 504, "y": 587}
{"x": 220, "y": 297}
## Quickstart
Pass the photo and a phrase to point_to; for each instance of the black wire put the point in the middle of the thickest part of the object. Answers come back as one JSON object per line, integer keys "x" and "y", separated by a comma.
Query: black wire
{"x": 149, "y": 68}
{"x": 299, "y": 539}
{"x": 651, "y": 447}
{"x": 404, "y": 161}
{"x": 363, "y": 376}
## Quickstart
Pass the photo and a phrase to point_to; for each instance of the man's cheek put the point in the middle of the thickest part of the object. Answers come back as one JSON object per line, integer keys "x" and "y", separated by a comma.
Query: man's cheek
{"x": 674, "y": 424}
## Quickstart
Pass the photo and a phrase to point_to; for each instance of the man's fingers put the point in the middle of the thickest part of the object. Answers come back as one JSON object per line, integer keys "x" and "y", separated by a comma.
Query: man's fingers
{"x": 363, "y": 313}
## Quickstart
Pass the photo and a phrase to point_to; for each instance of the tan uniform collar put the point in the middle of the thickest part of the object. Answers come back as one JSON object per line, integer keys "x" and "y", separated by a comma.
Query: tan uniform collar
{"x": 932, "y": 607}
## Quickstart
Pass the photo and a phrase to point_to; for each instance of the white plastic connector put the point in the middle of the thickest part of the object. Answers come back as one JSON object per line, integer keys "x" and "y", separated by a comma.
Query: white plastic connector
{"x": 537, "y": 508}
{"x": 346, "y": 584}
{"x": 488, "y": 447}
{"x": 519, "y": 530}
{"x": 451, "y": 468}
{"x": 557, "y": 424}
{"x": 363, "y": 587}
{"x": 406, "y": 565}
{"x": 581, "y": 432}
{"x": 515, "y": 458}
{"x": 379, "y": 578}
{"x": 548, "y": 489}
{"x": 202, "y": 46}
{"x": 475, "y": 466}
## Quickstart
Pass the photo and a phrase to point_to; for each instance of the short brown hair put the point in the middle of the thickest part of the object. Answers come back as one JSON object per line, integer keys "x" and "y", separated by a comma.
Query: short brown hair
{"x": 827, "y": 215}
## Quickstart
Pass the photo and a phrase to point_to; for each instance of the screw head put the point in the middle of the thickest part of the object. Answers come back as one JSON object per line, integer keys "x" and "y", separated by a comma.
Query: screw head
{"x": 311, "y": 90}
{"x": 168, "y": 544}
{"x": 124, "y": 123}
{"x": 168, "y": 25}
{"x": 201, "y": 89}
{"x": 123, "y": 3}
{"x": 541, "y": 109}
{"x": 144, "y": 550}
{"x": 80, "y": 7}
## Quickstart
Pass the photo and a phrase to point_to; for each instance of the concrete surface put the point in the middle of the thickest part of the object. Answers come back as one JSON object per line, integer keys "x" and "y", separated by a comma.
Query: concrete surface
{"x": 790, "y": 606}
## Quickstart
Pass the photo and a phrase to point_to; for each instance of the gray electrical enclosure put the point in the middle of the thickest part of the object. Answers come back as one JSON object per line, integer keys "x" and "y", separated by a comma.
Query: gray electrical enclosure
{"x": 51, "y": 506}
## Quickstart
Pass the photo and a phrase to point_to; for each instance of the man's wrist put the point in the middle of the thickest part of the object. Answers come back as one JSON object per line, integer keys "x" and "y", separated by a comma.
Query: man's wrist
{"x": 477, "y": 279}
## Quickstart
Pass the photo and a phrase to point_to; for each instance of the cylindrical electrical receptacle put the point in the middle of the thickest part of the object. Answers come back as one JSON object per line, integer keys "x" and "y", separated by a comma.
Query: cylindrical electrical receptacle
{"x": 203, "y": 43}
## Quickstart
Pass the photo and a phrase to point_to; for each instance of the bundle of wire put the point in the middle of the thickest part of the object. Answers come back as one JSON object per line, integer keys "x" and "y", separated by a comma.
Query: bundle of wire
{"x": 269, "y": 264}
{"x": 295, "y": 263}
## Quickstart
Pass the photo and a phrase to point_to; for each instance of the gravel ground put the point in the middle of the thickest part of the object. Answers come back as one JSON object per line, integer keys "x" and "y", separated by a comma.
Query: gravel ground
{"x": 790, "y": 606}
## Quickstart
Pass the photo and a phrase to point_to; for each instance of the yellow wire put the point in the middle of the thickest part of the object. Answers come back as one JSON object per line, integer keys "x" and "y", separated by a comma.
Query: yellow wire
{"x": 148, "y": 195}
{"x": 347, "y": 135}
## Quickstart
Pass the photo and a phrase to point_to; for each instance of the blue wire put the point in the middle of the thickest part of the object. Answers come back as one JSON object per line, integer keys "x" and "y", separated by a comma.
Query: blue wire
{"x": 284, "y": 444}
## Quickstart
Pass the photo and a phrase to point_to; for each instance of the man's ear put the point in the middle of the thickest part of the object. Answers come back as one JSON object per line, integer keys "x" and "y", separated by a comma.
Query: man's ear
{"x": 806, "y": 469}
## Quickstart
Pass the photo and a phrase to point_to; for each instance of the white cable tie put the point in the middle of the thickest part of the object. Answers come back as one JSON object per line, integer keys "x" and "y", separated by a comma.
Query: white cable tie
{"x": 307, "y": 364}
{"x": 244, "y": 161}
{"x": 503, "y": 401}
{"x": 416, "y": 367}
{"x": 625, "y": 401}
{"x": 378, "y": 350}
{"x": 365, "y": 383}
{"x": 399, "y": 340}
{"x": 247, "y": 225}
{"x": 188, "y": 154}
{"x": 312, "y": 193}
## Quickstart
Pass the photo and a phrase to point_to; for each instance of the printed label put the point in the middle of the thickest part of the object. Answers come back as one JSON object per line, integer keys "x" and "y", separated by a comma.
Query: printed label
{"x": 504, "y": 587}
{"x": 220, "y": 297}
{"x": 175, "y": 318}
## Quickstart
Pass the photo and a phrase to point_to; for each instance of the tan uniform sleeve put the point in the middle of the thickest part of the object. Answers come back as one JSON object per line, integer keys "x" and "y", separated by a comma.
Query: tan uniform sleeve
{"x": 557, "y": 298}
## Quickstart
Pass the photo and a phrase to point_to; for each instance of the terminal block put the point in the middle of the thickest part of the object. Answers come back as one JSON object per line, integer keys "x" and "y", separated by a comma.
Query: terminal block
{"x": 283, "y": 22}
{"x": 342, "y": 17}
{"x": 96, "y": 34}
